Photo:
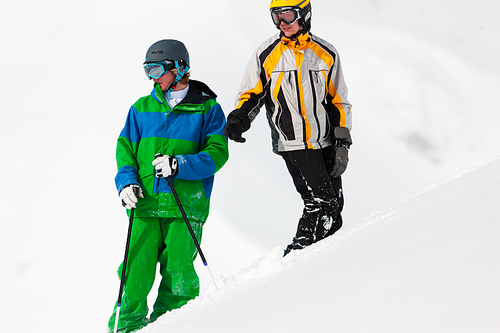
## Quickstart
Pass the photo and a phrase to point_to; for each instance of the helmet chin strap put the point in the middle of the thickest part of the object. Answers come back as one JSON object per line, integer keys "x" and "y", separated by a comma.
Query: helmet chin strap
{"x": 181, "y": 70}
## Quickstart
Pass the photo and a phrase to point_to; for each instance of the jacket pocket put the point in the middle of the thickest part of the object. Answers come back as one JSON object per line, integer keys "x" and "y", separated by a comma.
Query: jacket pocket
{"x": 317, "y": 80}
{"x": 282, "y": 118}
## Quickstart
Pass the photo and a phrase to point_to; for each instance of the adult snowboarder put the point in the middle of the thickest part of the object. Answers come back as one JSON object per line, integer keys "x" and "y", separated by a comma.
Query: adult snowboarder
{"x": 177, "y": 132}
{"x": 298, "y": 76}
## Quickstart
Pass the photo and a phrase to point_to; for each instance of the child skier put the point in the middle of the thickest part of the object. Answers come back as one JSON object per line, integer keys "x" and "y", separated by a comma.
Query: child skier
{"x": 177, "y": 132}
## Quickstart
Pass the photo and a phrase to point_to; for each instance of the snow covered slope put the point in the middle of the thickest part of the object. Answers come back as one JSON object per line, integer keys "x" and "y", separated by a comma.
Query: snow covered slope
{"x": 430, "y": 264}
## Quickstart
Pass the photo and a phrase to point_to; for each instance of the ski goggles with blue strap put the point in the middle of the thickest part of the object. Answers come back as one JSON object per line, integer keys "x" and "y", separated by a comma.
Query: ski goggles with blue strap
{"x": 288, "y": 15}
{"x": 155, "y": 70}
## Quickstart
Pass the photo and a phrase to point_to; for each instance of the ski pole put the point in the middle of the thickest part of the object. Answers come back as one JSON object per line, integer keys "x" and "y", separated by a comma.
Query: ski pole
{"x": 171, "y": 184}
{"x": 127, "y": 246}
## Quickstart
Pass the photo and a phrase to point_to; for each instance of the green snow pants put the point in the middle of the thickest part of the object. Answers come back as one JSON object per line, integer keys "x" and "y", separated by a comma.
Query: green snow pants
{"x": 166, "y": 241}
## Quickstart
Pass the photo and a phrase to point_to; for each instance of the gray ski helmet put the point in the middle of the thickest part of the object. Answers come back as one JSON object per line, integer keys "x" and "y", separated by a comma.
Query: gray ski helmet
{"x": 168, "y": 49}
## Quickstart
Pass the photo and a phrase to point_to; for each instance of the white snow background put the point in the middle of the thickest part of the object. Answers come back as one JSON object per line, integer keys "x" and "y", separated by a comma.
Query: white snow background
{"x": 418, "y": 251}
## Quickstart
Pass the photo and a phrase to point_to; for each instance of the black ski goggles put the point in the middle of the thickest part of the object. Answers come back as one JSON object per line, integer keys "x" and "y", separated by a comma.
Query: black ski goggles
{"x": 288, "y": 15}
{"x": 155, "y": 70}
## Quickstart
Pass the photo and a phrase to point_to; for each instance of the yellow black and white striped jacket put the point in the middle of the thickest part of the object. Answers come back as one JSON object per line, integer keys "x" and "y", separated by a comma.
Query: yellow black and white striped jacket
{"x": 301, "y": 83}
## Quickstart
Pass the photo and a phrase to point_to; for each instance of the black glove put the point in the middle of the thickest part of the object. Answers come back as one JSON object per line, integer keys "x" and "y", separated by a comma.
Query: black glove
{"x": 340, "y": 154}
{"x": 234, "y": 129}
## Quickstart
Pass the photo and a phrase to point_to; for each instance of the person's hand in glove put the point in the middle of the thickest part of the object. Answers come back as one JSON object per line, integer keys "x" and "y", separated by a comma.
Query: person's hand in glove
{"x": 129, "y": 195}
{"x": 234, "y": 130}
{"x": 165, "y": 165}
{"x": 342, "y": 140}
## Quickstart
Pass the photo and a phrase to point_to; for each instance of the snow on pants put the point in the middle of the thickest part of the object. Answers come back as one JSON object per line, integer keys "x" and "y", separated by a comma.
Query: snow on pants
{"x": 166, "y": 241}
{"x": 322, "y": 194}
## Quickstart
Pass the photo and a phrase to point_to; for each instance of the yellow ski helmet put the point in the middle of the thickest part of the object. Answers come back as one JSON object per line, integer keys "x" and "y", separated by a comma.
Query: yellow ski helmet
{"x": 289, "y": 3}
{"x": 302, "y": 8}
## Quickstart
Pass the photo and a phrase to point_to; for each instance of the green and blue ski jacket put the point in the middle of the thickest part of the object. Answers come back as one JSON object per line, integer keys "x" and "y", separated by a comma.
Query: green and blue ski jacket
{"x": 192, "y": 132}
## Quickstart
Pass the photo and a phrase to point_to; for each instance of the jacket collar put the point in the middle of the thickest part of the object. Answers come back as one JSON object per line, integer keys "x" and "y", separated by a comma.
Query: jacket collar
{"x": 198, "y": 93}
{"x": 299, "y": 42}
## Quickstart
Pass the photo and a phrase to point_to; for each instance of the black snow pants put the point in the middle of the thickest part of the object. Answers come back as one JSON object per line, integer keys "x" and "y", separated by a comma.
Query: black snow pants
{"x": 322, "y": 195}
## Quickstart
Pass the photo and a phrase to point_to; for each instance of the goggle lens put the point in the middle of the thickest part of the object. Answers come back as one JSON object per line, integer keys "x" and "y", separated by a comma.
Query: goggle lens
{"x": 156, "y": 69}
{"x": 288, "y": 16}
